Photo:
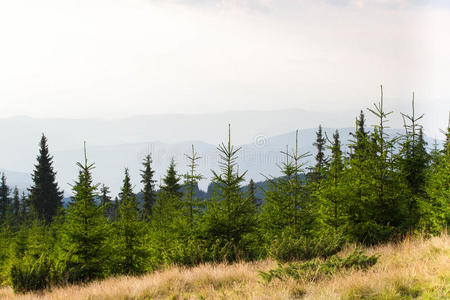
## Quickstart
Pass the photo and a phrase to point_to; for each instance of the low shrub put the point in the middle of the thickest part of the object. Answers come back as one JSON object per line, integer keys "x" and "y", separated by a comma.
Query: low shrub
{"x": 316, "y": 269}
{"x": 289, "y": 247}
{"x": 30, "y": 275}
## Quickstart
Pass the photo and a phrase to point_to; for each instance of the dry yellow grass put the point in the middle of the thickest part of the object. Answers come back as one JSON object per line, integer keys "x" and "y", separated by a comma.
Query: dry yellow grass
{"x": 415, "y": 268}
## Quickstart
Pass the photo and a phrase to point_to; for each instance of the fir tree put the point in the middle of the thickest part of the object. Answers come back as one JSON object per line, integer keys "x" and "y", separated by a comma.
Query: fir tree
{"x": 106, "y": 202}
{"x": 331, "y": 190}
{"x": 230, "y": 217}
{"x": 44, "y": 193}
{"x": 287, "y": 208}
{"x": 251, "y": 190}
{"x": 321, "y": 161}
{"x": 148, "y": 190}
{"x": 16, "y": 205}
{"x": 360, "y": 143}
{"x": 191, "y": 182}
{"x": 436, "y": 211}
{"x": 5, "y": 205}
{"x": 116, "y": 206}
{"x": 385, "y": 188}
{"x": 84, "y": 230}
{"x": 414, "y": 161}
{"x": 171, "y": 182}
{"x": 131, "y": 253}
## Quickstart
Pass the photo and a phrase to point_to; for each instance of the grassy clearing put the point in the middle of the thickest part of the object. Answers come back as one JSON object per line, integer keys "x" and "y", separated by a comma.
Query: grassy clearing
{"x": 416, "y": 268}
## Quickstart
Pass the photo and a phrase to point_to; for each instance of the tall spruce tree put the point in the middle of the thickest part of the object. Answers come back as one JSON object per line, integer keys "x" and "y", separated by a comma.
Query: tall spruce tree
{"x": 148, "y": 190}
{"x": 321, "y": 162}
{"x": 331, "y": 192}
{"x": 44, "y": 193}
{"x": 385, "y": 188}
{"x": 16, "y": 205}
{"x": 231, "y": 216}
{"x": 85, "y": 230}
{"x": 130, "y": 248}
{"x": 191, "y": 179}
{"x": 357, "y": 178}
{"x": 413, "y": 163}
{"x": 5, "y": 201}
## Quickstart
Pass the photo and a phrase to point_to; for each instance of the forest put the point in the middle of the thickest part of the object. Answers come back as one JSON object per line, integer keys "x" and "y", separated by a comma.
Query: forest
{"x": 382, "y": 189}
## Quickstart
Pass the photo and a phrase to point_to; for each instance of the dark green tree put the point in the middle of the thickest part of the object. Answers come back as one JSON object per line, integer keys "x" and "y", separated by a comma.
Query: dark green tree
{"x": 251, "y": 191}
{"x": 5, "y": 201}
{"x": 436, "y": 211}
{"x": 148, "y": 190}
{"x": 106, "y": 202}
{"x": 321, "y": 161}
{"x": 413, "y": 163}
{"x": 331, "y": 192}
{"x": 16, "y": 205}
{"x": 171, "y": 182}
{"x": 44, "y": 193}
{"x": 130, "y": 250}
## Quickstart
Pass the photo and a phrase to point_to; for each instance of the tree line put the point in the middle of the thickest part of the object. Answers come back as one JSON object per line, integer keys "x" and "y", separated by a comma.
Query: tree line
{"x": 383, "y": 188}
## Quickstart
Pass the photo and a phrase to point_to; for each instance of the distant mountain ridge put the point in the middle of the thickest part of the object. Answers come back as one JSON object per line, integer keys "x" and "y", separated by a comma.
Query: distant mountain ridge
{"x": 260, "y": 158}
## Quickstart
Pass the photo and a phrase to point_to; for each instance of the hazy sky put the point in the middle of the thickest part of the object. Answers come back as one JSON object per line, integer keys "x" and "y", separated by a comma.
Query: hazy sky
{"x": 116, "y": 58}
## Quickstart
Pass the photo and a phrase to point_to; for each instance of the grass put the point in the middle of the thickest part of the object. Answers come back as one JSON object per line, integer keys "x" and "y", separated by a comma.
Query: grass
{"x": 415, "y": 268}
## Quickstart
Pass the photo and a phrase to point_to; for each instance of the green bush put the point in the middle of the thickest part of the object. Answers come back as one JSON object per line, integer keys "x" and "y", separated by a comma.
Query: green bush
{"x": 191, "y": 252}
{"x": 316, "y": 269}
{"x": 30, "y": 275}
{"x": 289, "y": 247}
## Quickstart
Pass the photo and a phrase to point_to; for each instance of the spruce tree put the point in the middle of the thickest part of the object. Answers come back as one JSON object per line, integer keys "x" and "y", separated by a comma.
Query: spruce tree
{"x": 413, "y": 162}
{"x": 44, "y": 193}
{"x": 106, "y": 202}
{"x": 148, "y": 190}
{"x": 231, "y": 217}
{"x": 251, "y": 190}
{"x": 436, "y": 211}
{"x": 287, "y": 209}
{"x": 84, "y": 233}
{"x": 130, "y": 249}
{"x": 171, "y": 182}
{"x": 116, "y": 206}
{"x": 5, "y": 201}
{"x": 191, "y": 179}
{"x": 16, "y": 205}
{"x": 331, "y": 192}
{"x": 385, "y": 189}
{"x": 319, "y": 168}
{"x": 359, "y": 144}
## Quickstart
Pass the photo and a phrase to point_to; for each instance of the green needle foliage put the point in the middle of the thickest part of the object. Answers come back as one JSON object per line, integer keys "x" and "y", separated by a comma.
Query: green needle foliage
{"x": 314, "y": 270}
{"x": 84, "y": 230}
{"x": 44, "y": 193}
{"x": 130, "y": 252}
{"x": 148, "y": 191}
{"x": 231, "y": 216}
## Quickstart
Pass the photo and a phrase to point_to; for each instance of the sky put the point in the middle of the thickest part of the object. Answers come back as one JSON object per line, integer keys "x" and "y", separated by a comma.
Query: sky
{"x": 119, "y": 58}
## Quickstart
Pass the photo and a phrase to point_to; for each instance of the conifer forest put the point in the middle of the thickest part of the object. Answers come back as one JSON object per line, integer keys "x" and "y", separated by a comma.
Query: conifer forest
{"x": 380, "y": 188}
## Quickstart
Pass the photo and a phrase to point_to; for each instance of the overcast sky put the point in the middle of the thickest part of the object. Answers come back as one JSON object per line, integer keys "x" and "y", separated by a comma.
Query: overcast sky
{"x": 117, "y": 58}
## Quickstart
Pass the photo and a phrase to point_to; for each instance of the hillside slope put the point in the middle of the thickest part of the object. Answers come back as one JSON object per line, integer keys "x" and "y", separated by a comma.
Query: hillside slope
{"x": 413, "y": 269}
